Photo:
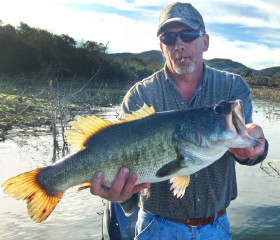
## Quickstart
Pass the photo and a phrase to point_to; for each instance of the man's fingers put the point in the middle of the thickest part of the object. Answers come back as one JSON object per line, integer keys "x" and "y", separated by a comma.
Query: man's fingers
{"x": 96, "y": 185}
{"x": 118, "y": 184}
{"x": 122, "y": 188}
{"x": 244, "y": 153}
{"x": 129, "y": 185}
{"x": 140, "y": 187}
{"x": 255, "y": 130}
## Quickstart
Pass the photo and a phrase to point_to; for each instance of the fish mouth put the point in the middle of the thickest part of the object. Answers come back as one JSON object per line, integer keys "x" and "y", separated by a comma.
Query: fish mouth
{"x": 238, "y": 117}
{"x": 242, "y": 139}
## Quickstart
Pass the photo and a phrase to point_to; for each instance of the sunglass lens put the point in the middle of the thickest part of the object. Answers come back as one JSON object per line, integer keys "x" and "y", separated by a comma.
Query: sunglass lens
{"x": 189, "y": 36}
{"x": 168, "y": 38}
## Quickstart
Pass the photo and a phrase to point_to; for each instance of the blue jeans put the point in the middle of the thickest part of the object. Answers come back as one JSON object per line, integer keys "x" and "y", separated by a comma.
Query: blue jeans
{"x": 150, "y": 226}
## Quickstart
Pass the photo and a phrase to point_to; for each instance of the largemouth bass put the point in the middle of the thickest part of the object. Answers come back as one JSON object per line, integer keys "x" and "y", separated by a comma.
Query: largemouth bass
{"x": 156, "y": 146}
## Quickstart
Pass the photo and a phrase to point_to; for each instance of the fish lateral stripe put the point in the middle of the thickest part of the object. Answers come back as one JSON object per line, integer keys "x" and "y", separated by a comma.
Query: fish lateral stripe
{"x": 86, "y": 127}
{"x": 25, "y": 186}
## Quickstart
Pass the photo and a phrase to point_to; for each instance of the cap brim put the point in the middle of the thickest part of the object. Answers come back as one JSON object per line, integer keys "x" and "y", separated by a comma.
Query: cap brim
{"x": 188, "y": 23}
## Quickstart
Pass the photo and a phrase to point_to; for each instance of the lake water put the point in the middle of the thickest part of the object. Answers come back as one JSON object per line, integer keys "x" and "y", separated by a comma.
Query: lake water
{"x": 255, "y": 214}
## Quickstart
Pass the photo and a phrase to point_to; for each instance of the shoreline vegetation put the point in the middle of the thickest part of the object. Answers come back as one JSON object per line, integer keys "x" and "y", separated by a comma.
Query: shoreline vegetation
{"x": 50, "y": 106}
{"x": 35, "y": 106}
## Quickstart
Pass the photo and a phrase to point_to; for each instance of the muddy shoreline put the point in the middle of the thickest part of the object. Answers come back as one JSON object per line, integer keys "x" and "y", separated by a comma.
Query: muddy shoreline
{"x": 29, "y": 111}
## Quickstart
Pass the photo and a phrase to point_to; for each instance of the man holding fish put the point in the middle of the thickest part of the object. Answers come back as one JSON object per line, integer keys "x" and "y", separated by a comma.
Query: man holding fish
{"x": 186, "y": 82}
{"x": 173, "y": 152}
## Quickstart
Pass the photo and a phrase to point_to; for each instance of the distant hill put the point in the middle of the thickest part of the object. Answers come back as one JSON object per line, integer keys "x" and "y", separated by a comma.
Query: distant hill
{"x": 227, "y": 65}
{"x": 149, "y": 57}
{"x": 155, "y": 57}
{"x": 269, "y": 71}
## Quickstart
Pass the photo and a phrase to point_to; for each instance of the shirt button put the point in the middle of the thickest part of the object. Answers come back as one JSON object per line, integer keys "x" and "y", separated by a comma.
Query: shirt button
{"x": 198, "y": 199}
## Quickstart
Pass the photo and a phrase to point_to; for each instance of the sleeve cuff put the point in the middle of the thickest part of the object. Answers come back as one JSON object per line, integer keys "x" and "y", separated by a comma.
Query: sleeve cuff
{"x": 130, "y": 205}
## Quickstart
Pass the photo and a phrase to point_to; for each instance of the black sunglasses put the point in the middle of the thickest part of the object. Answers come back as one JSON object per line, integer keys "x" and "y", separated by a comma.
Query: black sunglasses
{"x": 186, "y": 35}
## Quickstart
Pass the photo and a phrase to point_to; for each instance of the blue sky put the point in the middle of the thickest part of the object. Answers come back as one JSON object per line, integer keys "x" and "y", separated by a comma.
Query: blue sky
{"x": 243, "y": 31}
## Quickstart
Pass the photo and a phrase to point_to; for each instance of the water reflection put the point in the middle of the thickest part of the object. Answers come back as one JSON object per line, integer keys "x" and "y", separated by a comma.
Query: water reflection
{"x": 252, "y": 223}
{"x": 255, "y": 214}
{"x": 77, "y": 216}
{"x": 267, "y": 115}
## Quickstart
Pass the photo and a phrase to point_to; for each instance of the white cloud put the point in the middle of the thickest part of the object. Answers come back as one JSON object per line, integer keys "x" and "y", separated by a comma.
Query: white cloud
{"x": 250, "y": 54}
{"x": 123, "y": 34}
{"x": 118, "y": 4}
{"x": 218, "y": 11}
{"x": 160, "y": 3}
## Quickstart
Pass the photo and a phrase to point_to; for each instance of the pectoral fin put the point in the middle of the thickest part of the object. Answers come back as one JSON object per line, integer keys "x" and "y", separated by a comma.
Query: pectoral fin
{"x": 170, "y": 168}
{"x": 179, "y": 185}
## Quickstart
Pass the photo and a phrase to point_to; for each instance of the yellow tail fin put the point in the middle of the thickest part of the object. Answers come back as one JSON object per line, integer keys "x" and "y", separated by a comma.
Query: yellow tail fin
{"x": 25, "y": 187}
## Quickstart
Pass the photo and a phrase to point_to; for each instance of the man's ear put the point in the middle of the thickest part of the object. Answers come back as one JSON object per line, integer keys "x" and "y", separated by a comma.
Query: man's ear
{"x": 205, "y": 42}
{"x": 162, "y": 50}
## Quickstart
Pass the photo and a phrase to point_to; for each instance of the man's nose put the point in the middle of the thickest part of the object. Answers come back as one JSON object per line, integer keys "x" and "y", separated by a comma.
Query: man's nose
{"x": 179, "y": 44}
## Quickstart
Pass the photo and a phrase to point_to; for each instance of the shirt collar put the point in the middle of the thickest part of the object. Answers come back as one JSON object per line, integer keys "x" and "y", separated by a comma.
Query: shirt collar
{"x": 202, "y": 84}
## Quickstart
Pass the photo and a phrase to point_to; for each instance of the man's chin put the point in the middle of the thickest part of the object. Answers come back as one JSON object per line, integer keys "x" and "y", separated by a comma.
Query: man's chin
{"x": 184, "y": 70}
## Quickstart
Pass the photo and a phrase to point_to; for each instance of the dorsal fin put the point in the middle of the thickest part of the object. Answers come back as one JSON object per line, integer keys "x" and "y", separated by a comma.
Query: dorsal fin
{"x": 90, "y": 125}
{"x": 85, "y": 128}
{"x": 142, "y": 112}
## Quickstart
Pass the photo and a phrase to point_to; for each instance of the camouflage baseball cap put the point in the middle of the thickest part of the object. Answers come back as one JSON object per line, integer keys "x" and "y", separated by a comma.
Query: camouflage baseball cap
{"x": 180, "y": 12}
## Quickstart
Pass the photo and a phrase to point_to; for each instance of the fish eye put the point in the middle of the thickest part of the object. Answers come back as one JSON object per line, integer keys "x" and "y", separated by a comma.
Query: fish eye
{"x": 218, "y": 109}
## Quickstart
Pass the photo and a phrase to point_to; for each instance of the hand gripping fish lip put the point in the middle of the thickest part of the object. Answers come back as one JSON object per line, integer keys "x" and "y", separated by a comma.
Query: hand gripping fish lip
{"x": 238, "y": 121}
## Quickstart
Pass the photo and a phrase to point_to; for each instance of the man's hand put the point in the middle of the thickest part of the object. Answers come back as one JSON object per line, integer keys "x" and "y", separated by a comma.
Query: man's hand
{"x": 244, "y": 153}
{"x": 122, "y": 188}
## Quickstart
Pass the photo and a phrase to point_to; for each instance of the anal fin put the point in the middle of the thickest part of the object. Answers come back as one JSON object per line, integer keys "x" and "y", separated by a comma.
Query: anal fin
{"x": 179, "y": 185}
{"x": 84, "y": 186}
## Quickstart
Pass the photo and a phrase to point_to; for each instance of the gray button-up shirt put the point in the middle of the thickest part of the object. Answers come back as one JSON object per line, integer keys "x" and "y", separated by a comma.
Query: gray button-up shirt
{"x": 212, "y": 188}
